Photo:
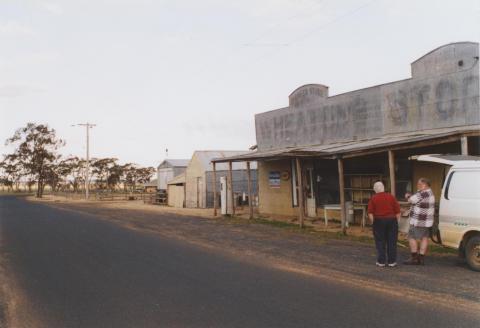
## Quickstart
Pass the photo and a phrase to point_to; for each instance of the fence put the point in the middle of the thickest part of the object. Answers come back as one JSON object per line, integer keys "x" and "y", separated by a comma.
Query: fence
{"x": 157, "y": 198}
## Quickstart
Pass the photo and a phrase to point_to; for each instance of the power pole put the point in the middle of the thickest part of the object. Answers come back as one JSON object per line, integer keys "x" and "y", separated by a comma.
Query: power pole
{"x": 87, "y": 126}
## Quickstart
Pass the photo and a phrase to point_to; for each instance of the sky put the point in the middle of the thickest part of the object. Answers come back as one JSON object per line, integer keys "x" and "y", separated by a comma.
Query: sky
{"x": 191, "y": 75}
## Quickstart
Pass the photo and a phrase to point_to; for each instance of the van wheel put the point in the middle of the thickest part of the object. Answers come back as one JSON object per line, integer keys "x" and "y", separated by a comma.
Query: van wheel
{"x": 472, "y": 252}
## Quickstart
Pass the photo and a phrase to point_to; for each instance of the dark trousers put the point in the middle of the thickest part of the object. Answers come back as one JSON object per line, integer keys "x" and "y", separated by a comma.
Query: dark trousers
{"x": 385, "y": 232}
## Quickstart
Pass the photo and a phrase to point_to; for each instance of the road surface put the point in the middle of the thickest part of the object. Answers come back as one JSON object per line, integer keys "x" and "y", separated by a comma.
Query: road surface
{"x": 70, "y": 269}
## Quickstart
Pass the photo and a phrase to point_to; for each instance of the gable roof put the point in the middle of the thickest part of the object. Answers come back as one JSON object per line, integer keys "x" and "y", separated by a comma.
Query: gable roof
{"x": 205, "y": 158}
{"x": 179, "y": 179}
{"x": 173, "y": 163}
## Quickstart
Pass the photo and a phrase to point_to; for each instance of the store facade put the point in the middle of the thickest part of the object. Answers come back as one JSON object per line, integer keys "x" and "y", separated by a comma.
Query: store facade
{"x": 321, "y": 153}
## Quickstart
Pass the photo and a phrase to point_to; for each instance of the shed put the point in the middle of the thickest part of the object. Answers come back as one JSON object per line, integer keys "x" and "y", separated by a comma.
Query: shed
{"x": 151, "y": 186}
{"x": 199, "y": 177}
{"x": 169, "y": 169}
{"x": 176, "y": 191}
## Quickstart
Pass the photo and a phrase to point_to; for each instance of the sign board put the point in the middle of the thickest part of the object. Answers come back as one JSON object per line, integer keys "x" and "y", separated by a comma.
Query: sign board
{"x": 274, "y": 179}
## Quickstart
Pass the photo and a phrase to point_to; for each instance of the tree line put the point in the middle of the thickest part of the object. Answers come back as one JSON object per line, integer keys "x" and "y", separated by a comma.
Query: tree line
{"x": 36, "y": 161}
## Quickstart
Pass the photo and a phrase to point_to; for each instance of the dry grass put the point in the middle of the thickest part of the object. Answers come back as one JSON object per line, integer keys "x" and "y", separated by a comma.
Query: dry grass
{"x": 316, "y": 228}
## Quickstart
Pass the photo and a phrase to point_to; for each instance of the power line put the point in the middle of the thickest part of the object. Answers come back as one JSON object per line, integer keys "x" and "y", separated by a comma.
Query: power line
{"x": 320, "y": 27}
{"x": 254, "y": 41}
{"x": 293, "y": 17}
{"x": 284, "y": 45}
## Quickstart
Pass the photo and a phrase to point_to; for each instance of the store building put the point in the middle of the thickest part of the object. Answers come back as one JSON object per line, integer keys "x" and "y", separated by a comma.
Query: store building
{"x": 322, "y": 152}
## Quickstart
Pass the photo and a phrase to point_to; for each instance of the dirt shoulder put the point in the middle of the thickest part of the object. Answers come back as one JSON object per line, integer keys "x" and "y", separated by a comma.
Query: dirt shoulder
{"x": 444, "y": 280}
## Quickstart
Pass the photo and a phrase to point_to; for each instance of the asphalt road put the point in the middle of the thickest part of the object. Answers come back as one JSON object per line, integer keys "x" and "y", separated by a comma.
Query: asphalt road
{"x": 73, "y": 270}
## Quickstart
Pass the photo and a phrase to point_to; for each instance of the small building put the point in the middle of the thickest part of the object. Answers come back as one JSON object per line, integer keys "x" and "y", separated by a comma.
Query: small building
{"x": 169, "y": 169}
{"x": 151, "y": 186}
{"x": 321, "y": 152}
{"x": 199, "y": 187}
{"x": 176, "y": 191}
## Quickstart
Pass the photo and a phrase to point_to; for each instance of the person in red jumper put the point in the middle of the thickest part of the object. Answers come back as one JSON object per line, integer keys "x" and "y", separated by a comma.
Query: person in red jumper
{"x": 384, "y": 213}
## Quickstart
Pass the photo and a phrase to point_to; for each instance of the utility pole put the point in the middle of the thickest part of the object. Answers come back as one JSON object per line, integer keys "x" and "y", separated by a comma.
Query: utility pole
{"x": 87, "y": 126}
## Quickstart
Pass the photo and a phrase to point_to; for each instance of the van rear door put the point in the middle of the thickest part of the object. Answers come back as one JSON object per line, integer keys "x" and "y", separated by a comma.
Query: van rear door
{"x": 459, "y": 205}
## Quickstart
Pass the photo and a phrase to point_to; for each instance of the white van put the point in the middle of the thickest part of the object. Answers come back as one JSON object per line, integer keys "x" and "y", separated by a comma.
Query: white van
{"x": 459, "y": 212}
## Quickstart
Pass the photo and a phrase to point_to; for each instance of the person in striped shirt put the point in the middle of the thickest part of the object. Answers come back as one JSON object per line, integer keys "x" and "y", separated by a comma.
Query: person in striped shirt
{"x": 422, "y": 211}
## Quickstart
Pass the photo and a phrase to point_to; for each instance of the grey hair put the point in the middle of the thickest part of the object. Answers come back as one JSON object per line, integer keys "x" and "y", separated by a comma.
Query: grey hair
{"x": 425, "y": 181}
{"x": 378, "y": 187}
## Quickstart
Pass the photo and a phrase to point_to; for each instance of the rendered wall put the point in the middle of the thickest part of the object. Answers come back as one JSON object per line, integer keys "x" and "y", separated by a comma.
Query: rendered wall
{"x": 443, "y": 92}
{"x": 275, "y": 201}
{"x": 175, "y": 196}
{"x": 195, "y": 180}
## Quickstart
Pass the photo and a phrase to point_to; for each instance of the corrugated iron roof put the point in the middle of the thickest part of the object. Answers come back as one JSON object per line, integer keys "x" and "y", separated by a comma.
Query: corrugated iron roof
{"x": 177, "y": 180}
{"x": 349, "y": 147}
{"x": 205, "y": 157}
{"x": 174, "y": 163}
{"x": 151, "y": 183}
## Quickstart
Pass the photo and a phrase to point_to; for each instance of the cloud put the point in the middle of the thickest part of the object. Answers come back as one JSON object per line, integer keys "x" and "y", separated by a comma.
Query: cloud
{"x": 15, "y": 29}
{"x": 14, "y": 91}
{"x": 52, "y": 8}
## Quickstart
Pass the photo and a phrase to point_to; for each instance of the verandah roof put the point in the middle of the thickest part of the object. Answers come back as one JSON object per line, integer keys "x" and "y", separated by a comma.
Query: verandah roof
{"x": 359, "y": 147}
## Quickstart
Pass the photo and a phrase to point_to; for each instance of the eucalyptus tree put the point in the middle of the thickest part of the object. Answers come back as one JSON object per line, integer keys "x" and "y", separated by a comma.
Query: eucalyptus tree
{"x": 76, "y": 171}
{"x": 58, "y": 173}
{"x": 145, "y": 174}
{"x": 102, "y": 169}
{"x": 115, "y": 174}
{"x": 12, "y": 171}
{"x": 9, "y": 171}
{"x": 135, "y": 174}
{"x": 36, "y": 148}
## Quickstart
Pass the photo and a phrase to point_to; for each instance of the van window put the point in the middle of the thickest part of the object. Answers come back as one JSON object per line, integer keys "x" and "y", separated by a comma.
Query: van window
{"x": 465, "y": 184}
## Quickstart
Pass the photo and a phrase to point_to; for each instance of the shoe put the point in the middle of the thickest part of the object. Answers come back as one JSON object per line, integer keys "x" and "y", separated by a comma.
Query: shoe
{"x": 392, "y": 265}
{"x": 413, "y": 260}
{"x": 378, "y": 264}
{"x": 421, "y": 259}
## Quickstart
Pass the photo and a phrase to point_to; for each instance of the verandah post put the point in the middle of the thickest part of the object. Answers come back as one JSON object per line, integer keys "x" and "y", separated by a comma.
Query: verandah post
{"x": 249, "y": 186}
{"x": 391, "y": 167}
{"x": 301, "y": 205}
{"x": 230, "y": 184}
{"x": 341, "y": 181}
{"x": 464, "y": 145}
{"x": 214, "y": 189}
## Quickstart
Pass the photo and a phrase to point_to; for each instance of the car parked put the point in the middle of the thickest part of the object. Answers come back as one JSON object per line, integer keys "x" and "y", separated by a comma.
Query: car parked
{"x": 459, "y": 208}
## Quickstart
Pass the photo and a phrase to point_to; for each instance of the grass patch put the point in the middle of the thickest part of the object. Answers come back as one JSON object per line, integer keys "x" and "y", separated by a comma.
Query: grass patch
{"x": 15, "y": 193}
{"x": 259, "y": 220}
{"x": 278, "y": 224}
{"x": 325, "y": 235}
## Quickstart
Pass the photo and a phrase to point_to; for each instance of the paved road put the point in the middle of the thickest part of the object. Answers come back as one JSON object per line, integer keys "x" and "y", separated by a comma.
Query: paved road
{"x": 73, "y": 270}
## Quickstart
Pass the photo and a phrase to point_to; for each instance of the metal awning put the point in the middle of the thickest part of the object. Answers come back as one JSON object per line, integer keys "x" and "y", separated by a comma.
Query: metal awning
{"x": 350, "y": 148}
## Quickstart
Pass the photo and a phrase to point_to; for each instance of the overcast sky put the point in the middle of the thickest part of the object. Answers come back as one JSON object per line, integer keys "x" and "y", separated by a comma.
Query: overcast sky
{"x": 190, "y": 75}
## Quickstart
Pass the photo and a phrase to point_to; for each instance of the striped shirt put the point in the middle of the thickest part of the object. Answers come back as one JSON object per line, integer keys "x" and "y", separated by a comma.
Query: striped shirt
{"x": 422, "y": 208}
